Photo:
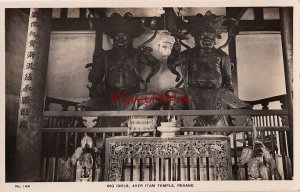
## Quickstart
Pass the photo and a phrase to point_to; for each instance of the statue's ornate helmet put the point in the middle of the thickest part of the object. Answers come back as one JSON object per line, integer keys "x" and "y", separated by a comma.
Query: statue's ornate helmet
{"x": 116, "y": 24}
{"x": 212, "y": 22}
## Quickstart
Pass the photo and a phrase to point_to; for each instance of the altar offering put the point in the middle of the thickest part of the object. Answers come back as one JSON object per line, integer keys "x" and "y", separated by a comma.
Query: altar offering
{"x": 142, "y": 126}
{"x": 168, "y": 129}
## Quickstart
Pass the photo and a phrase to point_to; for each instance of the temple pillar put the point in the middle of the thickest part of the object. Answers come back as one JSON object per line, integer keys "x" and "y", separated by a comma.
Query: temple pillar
{"x": 30, "y": 117}
{"x": 232, "y": 55}
{"x": 286, "y": 17}
{"x": 236, "y": 13}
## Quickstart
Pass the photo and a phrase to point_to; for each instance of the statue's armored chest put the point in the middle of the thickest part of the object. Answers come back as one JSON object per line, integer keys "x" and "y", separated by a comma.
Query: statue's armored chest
{"x": 207, "y": 63}
{"x": 205, "y": 66}
{"x": 117, "y": 62}
{"x": 122, "y": 70}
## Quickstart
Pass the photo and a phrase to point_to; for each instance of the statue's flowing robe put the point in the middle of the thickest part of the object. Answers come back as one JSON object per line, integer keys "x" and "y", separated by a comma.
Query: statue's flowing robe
{"x": 209, "y": 81}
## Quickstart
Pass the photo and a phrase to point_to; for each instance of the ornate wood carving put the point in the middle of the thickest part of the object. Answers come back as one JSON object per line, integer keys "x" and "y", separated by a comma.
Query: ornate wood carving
{"x": 215, "y": 147}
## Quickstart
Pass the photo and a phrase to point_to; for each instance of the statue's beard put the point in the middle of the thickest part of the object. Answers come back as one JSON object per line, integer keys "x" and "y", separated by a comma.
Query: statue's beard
{"x": 121, "y": 45}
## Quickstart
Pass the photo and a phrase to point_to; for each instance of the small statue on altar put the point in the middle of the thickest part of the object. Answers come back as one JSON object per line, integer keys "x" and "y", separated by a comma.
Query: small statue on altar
{"x": 115, "y": 74}
{"x": 206, "y": 71}
{"x": 86, "y": 157}
{"x": 260, "y": 163}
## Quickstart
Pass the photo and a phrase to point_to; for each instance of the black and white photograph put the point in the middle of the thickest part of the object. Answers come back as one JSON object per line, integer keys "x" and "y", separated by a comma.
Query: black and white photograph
{"x": 151, "y": 98}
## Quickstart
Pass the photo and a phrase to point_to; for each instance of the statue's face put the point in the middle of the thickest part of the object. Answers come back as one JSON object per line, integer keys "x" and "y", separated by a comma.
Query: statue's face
{"x": 122, "y": 41}
{"x": 86, "y": 160}
{"x": 205, "y": 39}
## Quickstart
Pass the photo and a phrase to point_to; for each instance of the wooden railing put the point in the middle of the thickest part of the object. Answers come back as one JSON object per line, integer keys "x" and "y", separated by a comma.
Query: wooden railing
{"x": 64, "y": 129}
{"x": 266, "y": 101}
{"x": 63, "y": 140}
{"x": 63, "y": 103}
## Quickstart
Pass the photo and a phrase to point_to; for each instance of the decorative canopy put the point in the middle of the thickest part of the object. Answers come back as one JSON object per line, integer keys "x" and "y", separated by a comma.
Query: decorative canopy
{"x": 116, "y": 24}
{"x": 212, "y": 22}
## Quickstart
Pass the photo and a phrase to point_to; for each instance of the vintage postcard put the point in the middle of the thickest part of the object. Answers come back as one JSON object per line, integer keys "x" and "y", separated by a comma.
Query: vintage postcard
{"x": 150, "y": 96}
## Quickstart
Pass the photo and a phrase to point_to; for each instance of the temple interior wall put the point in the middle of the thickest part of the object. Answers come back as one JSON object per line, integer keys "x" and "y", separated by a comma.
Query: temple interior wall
{"x": 259, "y": 64}
{"x": 70, "y": 52}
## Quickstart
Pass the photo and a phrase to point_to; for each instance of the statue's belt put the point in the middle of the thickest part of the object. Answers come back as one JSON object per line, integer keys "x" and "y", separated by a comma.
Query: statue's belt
{"x": 127, "y": 91}
{"x": 211, "y": 84}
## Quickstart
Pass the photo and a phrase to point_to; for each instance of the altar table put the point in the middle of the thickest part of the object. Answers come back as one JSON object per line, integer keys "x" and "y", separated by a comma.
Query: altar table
{"x": 216, "y": 147}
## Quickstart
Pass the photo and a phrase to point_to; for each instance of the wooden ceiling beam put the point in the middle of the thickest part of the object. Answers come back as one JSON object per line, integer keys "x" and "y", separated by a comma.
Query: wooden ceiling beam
{"x": 82, "y": 13}
{"x": 236, "y": 12}
{"x": 63, "y": 12}
{"x": 266, "y": 25}
{"x": 80, "y": 24}
{"x": 258, "y": 14}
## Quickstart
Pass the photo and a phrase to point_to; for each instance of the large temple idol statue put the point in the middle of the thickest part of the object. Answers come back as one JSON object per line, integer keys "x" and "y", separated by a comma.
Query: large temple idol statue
{"x": 206, "y": 71}
{"x": 115, "y": 74}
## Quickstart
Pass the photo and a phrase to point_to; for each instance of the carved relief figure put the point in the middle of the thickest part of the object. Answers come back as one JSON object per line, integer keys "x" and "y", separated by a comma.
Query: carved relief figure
{"x": 206, "y": 70}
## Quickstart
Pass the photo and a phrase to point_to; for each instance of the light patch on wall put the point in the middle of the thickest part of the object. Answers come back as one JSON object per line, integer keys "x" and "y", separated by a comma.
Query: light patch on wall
{"x": 271, "y": 13}
{"x": 188, "y": 11}
{"x": 56, "y": 13}
{"x": 68, "y": 55}
{"x": 136, "y": 12}
{"x": 73, "y": 13}
{"x": 150, "y": 12}
{"x": 260, "y": 66}
{"x": 248, "y": 15}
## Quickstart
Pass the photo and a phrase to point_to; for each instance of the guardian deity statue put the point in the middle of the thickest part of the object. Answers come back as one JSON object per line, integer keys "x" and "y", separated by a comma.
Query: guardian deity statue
{"x": 206, "y": 70}
{"x": 116, "y": 73}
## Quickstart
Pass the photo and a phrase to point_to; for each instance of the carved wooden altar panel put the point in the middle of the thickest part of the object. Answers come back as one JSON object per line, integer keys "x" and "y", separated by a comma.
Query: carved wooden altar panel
{"x": 216, "y": 147}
